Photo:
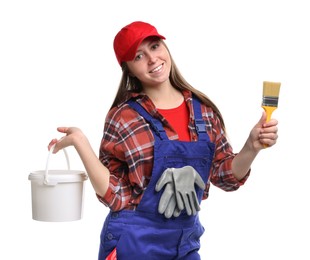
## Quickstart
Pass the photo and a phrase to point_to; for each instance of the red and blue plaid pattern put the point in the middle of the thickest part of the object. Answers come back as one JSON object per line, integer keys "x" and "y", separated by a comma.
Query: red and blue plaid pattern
{"x": 127, "y": 151}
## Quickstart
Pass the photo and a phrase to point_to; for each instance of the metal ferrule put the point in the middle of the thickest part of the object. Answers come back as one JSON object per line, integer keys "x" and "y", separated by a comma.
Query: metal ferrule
{"x": 270, "y": 101}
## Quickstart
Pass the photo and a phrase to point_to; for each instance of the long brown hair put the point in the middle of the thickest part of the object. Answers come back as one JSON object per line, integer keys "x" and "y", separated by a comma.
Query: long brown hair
{"x": 129, "y": 84}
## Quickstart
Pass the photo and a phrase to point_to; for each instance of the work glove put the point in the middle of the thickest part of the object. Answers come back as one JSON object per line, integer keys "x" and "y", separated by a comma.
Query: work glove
{"x": 184, "y": 180}
{"x": 179, "y": 192}
{"x": 167, "y": 204}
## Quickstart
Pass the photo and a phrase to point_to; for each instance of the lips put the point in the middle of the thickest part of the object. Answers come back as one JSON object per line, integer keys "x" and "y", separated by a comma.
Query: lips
{"x": 157, "y": 68}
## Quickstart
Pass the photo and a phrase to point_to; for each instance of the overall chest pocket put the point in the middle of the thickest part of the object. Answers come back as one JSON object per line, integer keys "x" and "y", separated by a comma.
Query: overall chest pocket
{"x": 200, "y": 164}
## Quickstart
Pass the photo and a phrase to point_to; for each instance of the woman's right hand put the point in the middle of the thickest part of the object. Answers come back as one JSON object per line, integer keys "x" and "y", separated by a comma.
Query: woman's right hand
{"x": 73, "y": 135}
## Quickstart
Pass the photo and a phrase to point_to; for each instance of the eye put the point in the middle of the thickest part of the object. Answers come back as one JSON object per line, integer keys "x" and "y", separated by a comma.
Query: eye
{"x": 155, "y": 46}
{"x": 138, "y": 57}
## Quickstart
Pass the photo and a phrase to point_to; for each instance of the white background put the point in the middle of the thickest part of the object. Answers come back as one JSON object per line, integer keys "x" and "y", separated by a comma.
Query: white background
{"x": 57, "y": 68}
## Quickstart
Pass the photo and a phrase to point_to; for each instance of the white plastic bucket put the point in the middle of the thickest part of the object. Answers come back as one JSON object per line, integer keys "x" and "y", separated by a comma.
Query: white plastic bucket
{"x": 57, "y": 195}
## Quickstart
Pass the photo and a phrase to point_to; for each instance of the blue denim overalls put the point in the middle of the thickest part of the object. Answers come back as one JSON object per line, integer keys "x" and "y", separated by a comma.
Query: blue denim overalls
{"x": 144, "y": 233}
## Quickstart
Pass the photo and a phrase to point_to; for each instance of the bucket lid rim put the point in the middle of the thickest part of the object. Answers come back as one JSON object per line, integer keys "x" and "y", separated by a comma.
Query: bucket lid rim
{"x": 59, "y": 176}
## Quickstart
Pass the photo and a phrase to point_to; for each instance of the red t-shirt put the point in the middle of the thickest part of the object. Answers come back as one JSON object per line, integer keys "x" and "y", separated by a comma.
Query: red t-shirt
{"x": 178, "y": 117}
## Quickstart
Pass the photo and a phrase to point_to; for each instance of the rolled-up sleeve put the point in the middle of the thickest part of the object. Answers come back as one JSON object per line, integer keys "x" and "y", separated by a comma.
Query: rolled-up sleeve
{"x": 119, "y": 191}
{"x": 221, "y": 174}
{"x": 127, "y": 151}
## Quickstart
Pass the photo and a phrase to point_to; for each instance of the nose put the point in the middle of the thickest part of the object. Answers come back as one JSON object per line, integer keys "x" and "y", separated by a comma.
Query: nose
{"x": 152, "y": 58}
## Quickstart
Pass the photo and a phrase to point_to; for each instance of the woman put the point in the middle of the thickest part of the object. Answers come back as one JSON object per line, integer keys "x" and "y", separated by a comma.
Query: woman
{"x": 164, "y": 142}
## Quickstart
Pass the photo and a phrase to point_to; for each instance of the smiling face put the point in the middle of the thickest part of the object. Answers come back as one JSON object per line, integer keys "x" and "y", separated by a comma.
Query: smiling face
{"x": 151, "y": 64}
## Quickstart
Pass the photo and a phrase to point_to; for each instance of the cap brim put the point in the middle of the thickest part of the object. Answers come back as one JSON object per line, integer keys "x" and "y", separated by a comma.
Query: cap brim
{"x": 133, "y": 50}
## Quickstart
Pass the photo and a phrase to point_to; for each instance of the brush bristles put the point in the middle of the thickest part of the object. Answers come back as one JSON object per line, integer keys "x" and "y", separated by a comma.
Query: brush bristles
{"x": 271, "y": 92}
{"x": 271, "y": 89}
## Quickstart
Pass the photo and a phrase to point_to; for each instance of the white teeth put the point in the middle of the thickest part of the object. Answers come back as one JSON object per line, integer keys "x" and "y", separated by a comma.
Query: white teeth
{"x": 157, "y": 69}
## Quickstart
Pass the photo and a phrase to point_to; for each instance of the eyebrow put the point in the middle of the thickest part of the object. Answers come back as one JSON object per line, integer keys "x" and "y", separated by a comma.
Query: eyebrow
{"x": 152, "y": 41}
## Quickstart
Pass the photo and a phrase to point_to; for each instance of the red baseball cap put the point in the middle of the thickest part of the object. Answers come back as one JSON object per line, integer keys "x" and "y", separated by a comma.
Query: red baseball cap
{"x": 128, "y": 39}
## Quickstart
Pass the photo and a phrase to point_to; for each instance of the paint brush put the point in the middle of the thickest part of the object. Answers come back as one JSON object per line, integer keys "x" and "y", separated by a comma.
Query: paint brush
{"x": 271, "y": 92}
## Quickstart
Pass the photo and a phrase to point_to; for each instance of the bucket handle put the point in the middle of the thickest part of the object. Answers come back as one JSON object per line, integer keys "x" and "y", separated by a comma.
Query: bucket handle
{"x": 46, "y": 181}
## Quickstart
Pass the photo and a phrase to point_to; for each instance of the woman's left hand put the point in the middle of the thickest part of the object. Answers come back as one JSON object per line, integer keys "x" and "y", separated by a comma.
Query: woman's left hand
{"x": 264, "y": 134}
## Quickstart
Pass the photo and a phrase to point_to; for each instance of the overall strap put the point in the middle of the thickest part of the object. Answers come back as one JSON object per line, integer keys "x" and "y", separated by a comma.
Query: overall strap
{"x": 200, "y": 124}
{"x": 155, "y": 124}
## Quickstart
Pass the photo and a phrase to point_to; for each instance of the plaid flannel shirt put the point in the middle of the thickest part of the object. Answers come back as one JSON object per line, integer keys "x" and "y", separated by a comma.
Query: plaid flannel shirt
{"x": 127, "y": 151}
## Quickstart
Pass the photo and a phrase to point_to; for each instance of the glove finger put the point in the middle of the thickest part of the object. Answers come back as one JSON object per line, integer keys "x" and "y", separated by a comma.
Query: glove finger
{"x": 199, "y": 181}
{"x": 176, "y": 212}
{"x": 179, "y": 199}
{"x": 164, "y": 179}
{"x": 187, "y": 204}
{"x": 170, "y": 207}
{"x": 196, "y": 202}
{"x": 165, "y": 198}
{"x": 192, "y": 202}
